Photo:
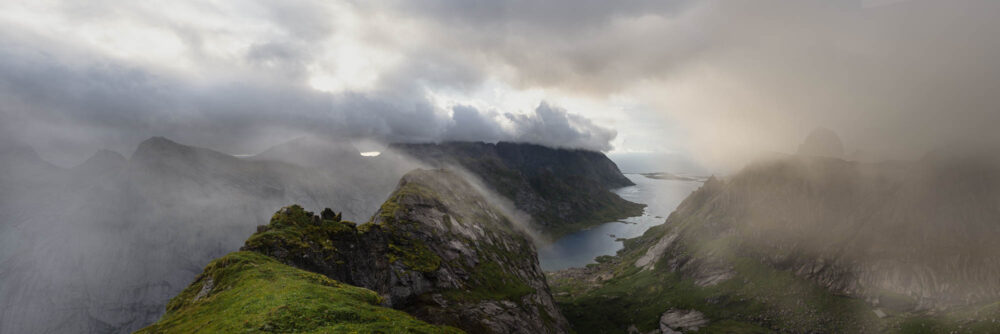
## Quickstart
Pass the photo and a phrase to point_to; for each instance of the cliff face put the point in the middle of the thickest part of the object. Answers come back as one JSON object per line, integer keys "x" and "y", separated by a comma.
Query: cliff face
{"x": 806, "y": 244}
{"x": 437, "y": 249}
{"x": 563, "y": 190}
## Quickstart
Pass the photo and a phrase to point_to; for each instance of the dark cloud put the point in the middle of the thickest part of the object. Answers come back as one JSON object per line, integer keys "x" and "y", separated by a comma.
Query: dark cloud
{"x": 593, "y": 46}
{"x": 899, "y": 77}
{"x": 732, "y": 76}
{"x": 555, "y": 127}
{"x": 469, "y": 124}
{"x": 68, "y": 103}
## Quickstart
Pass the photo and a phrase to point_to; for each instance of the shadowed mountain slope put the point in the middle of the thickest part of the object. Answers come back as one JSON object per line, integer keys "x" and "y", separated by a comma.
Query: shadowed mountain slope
{"x": 563, "y": 190}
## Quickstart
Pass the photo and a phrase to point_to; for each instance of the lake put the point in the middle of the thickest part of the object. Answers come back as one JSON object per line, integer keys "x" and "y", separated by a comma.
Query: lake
{"x": 580, "y": 248}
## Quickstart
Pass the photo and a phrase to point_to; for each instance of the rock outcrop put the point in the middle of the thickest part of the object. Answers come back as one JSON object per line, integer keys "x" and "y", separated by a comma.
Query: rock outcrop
{"x": 250, "y": 292}
{"x": 437, "y": 249}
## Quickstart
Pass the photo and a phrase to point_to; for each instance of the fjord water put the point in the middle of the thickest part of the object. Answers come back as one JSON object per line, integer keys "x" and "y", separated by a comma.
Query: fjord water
{"x": 580, "y": 248}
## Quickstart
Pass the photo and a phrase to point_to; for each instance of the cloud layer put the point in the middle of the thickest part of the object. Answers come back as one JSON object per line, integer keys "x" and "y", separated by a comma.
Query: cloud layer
{"x": 68, "y": 96}
{"x": 896, "y": 78}
{"x": 721, "y": 79}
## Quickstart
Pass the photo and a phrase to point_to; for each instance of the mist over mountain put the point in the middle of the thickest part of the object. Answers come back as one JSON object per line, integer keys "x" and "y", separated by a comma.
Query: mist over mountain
{"x": 563, "y": 190}
{"x": 812, "y": 243}
{"x": 846, "y": 153}
{"x": 438, "y": 249}
{"x": 822, "y": 142}
{"x": 113, "y": 238}
{"x": 103, "y": 245}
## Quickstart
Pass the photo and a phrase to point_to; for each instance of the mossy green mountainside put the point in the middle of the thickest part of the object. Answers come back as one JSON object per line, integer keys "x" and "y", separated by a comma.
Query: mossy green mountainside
{"x": 563, "y": 190}
{"x": 807, "y": 245}
{"x": 247, "y": 292}
{"x": 437, "y": 250}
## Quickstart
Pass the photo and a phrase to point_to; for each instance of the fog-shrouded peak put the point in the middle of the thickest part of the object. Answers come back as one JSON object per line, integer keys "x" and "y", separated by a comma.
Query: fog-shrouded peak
{"x": 822, "y": 142}
{"x": 102, "y": 157}
{"x": 156, "y": 146}
{"x": 312, "y": 151}
{"x": 102, "y": 161}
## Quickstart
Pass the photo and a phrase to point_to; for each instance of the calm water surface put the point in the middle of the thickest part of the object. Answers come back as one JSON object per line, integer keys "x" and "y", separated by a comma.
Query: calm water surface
{"x": 580, "y": 248}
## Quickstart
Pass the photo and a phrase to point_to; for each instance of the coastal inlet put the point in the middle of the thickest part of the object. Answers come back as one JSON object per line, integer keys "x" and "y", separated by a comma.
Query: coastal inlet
{"x": 660, "y": 194}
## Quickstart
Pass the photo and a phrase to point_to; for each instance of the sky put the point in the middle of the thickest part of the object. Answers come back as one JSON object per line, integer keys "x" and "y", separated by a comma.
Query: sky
{"x": 720, "y": 81}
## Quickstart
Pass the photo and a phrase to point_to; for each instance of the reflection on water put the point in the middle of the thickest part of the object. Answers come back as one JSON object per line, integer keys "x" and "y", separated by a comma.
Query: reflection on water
{"x": 580, "y": 248}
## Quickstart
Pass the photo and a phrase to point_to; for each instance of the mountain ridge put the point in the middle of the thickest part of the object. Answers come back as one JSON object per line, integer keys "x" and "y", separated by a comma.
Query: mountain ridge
{"x": 813, "y": 244}
{"x": 437, "y": 249}
{"x": 563, "y": 190}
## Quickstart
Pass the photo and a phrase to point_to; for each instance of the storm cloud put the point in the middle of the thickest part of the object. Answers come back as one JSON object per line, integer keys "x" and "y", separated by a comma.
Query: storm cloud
{"x": 721, "y": 80}
{"x": 67, "y": 98}
{"x": 894, "y": 78}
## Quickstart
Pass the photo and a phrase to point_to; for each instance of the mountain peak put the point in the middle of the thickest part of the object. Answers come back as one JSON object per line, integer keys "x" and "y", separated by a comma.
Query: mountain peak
{"x": 822, "y": 142}
{"x": 438, "y": 248}
{"x": 312, "y": 151}
{"x": 102, "y": 160}
{"x": 159, "y": 145}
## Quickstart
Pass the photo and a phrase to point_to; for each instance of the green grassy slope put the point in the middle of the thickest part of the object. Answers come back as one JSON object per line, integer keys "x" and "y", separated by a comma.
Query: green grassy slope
{"x": 246, "y": 292}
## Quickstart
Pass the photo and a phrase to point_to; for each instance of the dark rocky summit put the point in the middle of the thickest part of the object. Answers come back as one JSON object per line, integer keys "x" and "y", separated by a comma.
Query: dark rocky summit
{"x": 563, "y": 190}
{"x": 437, "y": 249}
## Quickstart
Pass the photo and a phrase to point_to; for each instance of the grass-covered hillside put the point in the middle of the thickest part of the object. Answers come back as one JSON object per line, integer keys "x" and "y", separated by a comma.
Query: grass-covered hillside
{"x": 247, "y": 292}
{"x": 437, "y": 252}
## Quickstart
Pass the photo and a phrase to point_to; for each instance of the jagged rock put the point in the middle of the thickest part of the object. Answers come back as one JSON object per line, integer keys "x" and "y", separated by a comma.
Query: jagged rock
{"x": 437, "y": 249}
{"x": 677, "y": 321}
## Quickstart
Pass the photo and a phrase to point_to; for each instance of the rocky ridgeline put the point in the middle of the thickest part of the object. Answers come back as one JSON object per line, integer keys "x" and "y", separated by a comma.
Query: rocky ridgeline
{"x": 437, "y": 249}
